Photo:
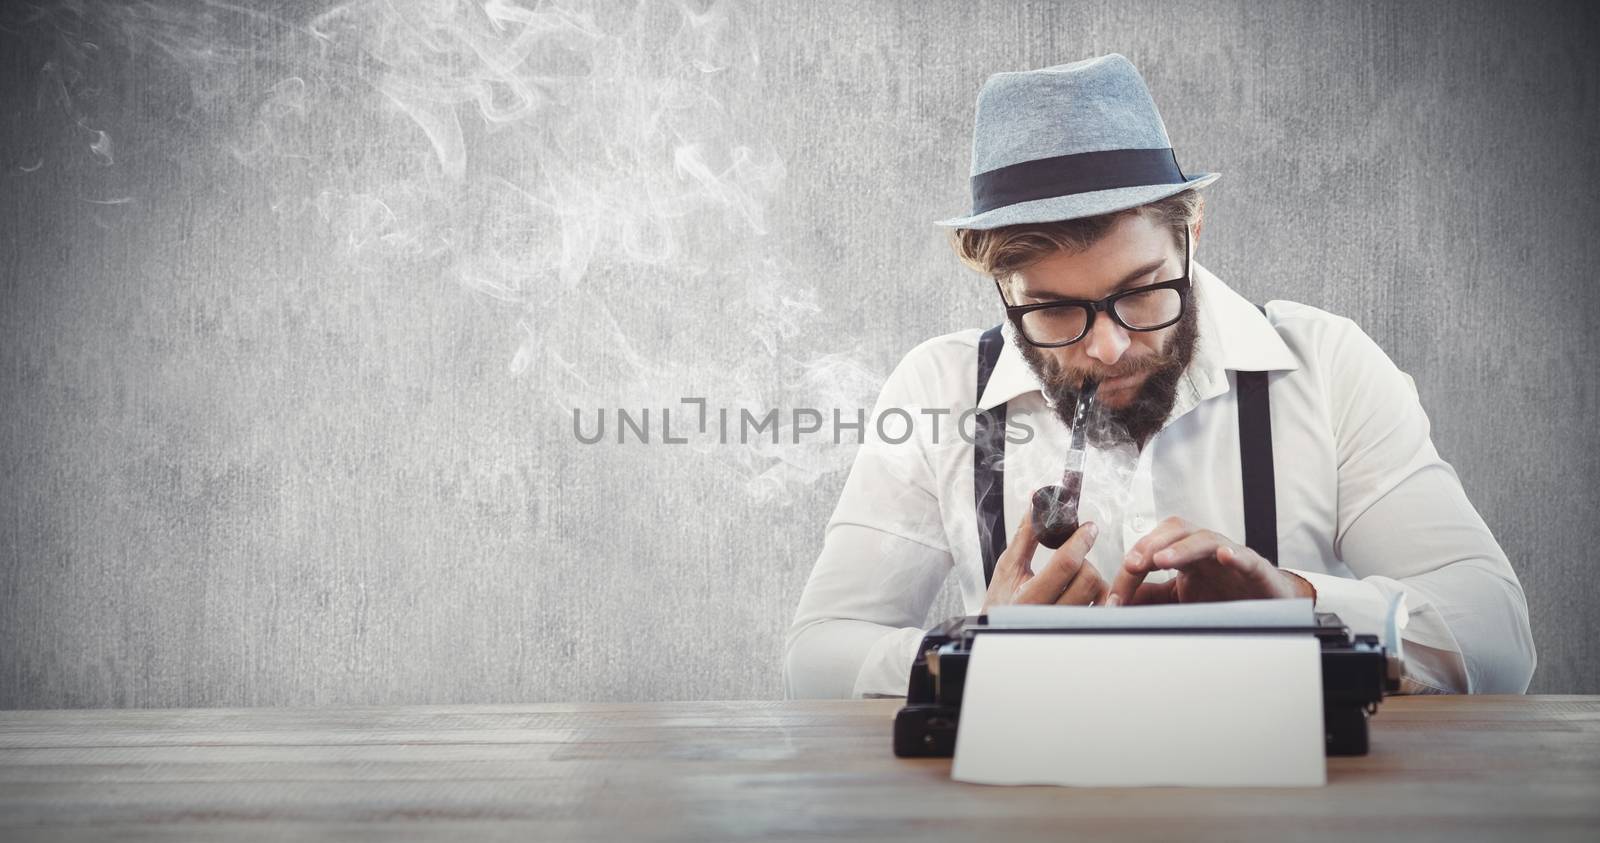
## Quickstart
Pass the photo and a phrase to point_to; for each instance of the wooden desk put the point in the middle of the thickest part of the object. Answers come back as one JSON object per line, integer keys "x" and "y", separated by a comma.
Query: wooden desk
{"x": 1442, "y": 768}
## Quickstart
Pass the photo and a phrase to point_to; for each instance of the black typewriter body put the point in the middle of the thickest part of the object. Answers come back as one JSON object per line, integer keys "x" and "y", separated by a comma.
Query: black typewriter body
{"x": 1355, "y": 675}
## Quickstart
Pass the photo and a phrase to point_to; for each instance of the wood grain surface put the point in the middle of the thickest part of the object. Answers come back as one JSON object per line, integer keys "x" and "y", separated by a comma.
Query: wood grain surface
{"x": 1442, "y": 768}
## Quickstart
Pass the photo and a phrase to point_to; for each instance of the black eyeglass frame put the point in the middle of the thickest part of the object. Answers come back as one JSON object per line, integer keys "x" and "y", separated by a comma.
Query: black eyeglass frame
{"x": 1107, "y": 305}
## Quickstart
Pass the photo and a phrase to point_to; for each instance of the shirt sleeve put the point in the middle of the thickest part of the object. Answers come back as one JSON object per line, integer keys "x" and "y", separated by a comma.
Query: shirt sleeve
{"x": 1406, "y": 527}
{"x": 884, "y": 558}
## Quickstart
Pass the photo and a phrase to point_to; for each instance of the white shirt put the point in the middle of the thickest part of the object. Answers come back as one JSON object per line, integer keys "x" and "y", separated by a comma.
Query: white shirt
{"x": 1366, "y": 507}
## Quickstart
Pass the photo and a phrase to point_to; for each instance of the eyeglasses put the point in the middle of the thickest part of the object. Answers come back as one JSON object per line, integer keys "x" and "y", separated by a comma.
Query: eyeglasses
{"x": 1053, "y": 324}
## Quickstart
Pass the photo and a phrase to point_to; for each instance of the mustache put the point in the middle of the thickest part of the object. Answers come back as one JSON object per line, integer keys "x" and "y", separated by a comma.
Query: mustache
{"x": 1079, "y": 379}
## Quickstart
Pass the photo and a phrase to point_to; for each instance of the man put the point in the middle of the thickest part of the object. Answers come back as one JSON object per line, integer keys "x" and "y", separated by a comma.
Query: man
{"x": 1088, "y": 228}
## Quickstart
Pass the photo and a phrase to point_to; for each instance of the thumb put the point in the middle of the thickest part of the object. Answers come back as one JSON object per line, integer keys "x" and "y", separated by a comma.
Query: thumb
{"x": 1077, "y": 547}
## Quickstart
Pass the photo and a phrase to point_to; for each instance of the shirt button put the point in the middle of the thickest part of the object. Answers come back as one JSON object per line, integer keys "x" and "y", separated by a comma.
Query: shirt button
{"x": 1139, "y": 524}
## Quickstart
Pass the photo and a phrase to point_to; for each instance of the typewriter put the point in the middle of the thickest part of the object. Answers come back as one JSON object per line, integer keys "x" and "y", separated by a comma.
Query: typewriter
{"x": 1357, "y": 670}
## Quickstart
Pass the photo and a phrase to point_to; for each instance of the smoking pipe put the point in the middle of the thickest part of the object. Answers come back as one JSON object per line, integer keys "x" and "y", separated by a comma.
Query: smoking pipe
{"x": 1055, "y": 507}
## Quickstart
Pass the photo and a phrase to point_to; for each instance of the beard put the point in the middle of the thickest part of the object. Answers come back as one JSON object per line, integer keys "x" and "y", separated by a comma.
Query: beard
{"x": 1152, "y": 401}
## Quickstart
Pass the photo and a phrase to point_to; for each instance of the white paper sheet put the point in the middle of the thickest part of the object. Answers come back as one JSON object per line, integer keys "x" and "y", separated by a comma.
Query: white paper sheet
{"x": 1124, "y": 710}
{"x": 1255, "y": 614}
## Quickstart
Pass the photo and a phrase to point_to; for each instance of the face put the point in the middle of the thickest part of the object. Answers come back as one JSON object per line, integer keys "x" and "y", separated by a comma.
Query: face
{"x": 1138, "y": 370}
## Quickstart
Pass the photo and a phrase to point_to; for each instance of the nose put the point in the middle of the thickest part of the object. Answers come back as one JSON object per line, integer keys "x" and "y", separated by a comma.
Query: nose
{"x": 1106, "y": 341}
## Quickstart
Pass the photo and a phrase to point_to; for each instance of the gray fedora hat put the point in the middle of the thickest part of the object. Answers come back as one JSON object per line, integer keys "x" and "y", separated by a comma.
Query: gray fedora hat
{"x": 1069, "y": 141}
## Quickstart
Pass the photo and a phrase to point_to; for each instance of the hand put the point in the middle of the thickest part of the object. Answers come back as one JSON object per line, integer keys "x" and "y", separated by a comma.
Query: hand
{"x": 1067, "y": 580}
{"x": 1209, "y": 567}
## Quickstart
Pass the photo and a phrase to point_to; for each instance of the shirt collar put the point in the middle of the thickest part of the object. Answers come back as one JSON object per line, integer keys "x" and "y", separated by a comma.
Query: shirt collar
{"x": 1234, "y": 335}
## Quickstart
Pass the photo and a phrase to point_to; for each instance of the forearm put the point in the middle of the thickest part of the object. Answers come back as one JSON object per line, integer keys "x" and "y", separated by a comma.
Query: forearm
{"x": 854, "y": 631}
{"x": 843, "y": 659}
{"x": 1473, "y": 636}
{"x": 1468, "y": 629}
{"x": 1465, "y": 627}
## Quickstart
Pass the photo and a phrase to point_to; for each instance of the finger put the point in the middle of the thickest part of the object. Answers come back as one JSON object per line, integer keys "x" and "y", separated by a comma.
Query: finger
{"x": 1136, "y": 565}
{"x": 1246, "y": 561}
{"x": 1087, "y": 587}
{"x": 1156, "y": 592}
{"x": 1237, "y": 556}
{"x": 1199, "y": 546}
{"x": 1125, "y": 583}
{"x": 1165, "y": 533}
{"x": 1047, "y": 585}
{"x": 1018, "y": 557}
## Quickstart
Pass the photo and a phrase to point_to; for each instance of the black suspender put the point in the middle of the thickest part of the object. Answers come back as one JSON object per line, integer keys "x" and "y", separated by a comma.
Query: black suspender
{"x": 988, "y": 456}
{"x": 1255, "y": 465}
{"x": 1255, "y": 462}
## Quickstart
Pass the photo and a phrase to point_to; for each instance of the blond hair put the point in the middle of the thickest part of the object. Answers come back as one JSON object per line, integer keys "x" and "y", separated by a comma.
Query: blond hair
{"x": 999, "y": 252}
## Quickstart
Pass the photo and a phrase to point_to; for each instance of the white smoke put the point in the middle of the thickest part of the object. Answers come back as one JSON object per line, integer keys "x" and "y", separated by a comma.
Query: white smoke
{"x": 596, "y": 168}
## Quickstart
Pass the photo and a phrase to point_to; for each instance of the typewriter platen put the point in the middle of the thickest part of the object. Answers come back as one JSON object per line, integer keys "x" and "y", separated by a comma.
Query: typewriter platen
{"x": 1356, "y": 673}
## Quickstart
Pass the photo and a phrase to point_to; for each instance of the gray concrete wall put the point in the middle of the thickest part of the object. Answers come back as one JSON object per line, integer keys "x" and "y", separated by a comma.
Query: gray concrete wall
{"x": 296, "y": 305}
